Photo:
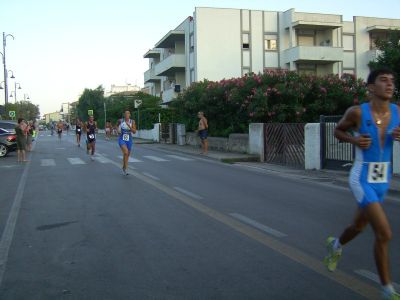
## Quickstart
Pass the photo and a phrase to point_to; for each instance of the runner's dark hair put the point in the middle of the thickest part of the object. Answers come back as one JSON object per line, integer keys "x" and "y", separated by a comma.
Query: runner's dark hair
{"x": 380, "y": 71}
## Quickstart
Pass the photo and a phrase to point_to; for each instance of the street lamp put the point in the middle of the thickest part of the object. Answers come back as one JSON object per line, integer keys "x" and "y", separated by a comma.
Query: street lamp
{"x": 12, "y": 74}
{"x": 26, "y": 97}
{"x": 5, "y": 68}
{"x": 15, "y": 90}
{"x": 1, "y": 85}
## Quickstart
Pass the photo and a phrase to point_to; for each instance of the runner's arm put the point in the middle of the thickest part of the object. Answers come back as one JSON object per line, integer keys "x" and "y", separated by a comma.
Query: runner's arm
{"x": 351, "y": 121}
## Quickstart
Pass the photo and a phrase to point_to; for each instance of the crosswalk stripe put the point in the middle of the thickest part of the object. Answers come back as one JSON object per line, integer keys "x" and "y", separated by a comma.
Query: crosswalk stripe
{"x": 102, "y": 159}
{"x": 155, "y": 158}
{"x": 75, "y": 161}
{"x": 180, "y": 157}
{"x": 47, "y": 162}
{"x": 131, "y": 159}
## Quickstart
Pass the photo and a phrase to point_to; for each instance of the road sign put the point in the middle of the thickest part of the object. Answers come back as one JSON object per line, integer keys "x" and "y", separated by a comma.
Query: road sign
{"x": 11, "y": 113}
{"x": 90, "y": 112}
{"x": 138, "y": 103}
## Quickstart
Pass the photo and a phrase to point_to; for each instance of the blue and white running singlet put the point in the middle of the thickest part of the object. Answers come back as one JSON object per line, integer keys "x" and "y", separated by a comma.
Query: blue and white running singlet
{"x": 125, "y": 137}
{"x": 371, "y": 172}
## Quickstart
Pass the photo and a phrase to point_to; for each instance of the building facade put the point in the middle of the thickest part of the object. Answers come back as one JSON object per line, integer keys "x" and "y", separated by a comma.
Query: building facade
{"x": 116, "y": 89}
{"x": 219, "y": 43}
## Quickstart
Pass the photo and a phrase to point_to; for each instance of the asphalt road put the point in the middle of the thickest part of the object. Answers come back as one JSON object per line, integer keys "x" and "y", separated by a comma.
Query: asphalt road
{"x": 178, "y": 227}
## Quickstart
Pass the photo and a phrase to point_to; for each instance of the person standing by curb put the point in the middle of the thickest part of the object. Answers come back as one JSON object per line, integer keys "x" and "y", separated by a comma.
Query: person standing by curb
{"x": 375, "y": 126}
{"x": 203, "y": 132}
{"x": 20, "y": 131}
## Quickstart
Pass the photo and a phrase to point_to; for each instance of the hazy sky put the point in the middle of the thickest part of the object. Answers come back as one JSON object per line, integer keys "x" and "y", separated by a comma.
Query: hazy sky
{"x": 64, "y": 46}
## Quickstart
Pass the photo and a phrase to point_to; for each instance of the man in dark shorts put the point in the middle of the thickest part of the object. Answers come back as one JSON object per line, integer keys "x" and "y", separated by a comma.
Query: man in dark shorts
{"x": 203, "y": 132}
{"x": 60, "y": 127}
{"x": 91, "y": 129}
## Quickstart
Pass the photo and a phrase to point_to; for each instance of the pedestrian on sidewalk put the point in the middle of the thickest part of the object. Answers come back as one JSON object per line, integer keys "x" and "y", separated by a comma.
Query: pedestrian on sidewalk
{"x": 203, "y": 132}
{"x": 20, "y": 131}
{"x": 375, "y": 126}
{"x": 126, "y": 128}
{"x": 29, "y": 136}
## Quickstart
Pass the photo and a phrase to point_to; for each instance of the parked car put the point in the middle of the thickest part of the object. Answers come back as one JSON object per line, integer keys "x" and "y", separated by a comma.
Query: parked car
{"x": 8, "y": 125}
{"x": 8, "y": 142}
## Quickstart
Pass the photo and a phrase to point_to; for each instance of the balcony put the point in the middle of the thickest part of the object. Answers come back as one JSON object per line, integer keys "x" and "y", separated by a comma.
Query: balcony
{"x": 171, "y": 65}
{"x": 313, "y": 54}
{"x": 150, "y": 76}
{"x": 374, "y": 54}
{"x": 169, "y": 95}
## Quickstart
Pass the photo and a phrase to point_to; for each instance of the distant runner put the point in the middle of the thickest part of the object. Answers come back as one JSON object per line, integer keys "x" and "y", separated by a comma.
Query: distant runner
{"x": 125, "y": 141}
{"x": 78, "y": 131}
{"x": 203, "y": 132}
{"x": 60, "y": 127}
{"x": 91, "y": 128}
{"x": 375, "y": 126}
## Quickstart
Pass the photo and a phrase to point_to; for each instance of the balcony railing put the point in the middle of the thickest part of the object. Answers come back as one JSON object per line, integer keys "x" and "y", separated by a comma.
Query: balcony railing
{"x": 313, "y": 53}
{"x": 170, "y": 65}
{"x": 150, "y": 76}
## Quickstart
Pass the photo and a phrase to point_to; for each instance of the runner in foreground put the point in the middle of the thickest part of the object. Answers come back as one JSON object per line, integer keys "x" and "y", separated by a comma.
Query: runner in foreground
{"x": 375, "y": 126}
{"x": 125, "y": 141}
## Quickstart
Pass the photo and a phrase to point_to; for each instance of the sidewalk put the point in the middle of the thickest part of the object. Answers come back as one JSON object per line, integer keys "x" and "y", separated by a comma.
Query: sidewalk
{"x": 329, "y": 176}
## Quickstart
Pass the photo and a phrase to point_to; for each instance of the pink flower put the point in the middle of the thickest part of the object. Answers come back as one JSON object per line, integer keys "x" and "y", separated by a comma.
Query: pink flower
{"x": 323, "y": 90}
{"x": 356, "y": 101}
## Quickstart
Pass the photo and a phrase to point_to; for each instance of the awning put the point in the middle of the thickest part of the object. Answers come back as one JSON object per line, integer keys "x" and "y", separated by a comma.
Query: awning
{"x": 168, "y": 41}
{"x": 152, "y": 53}
{"x": 317, "y": 25}
{"x": 382, "y": 28}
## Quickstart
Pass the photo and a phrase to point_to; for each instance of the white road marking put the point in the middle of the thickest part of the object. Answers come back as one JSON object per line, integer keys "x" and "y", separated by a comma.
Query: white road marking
{"x": 187, "y": 193}
{"x": 155, "y": 158}
{"x": 374, "y": 277}
{"x": 180, "y": 157}
{"x": 102, "y": 159}
{"x": 60, "y": 148}
{"x": 76, "y": 161}
{"x": 8, "y": 233}
{"x": 151, "y": 176}
{"x": 257, "y": 225}
{"x": 47, "y": 162}
{"x": 131, "y": 159}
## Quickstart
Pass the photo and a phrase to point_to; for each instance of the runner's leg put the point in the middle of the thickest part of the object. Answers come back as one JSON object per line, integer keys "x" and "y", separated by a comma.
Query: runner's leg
{"x": 383, "y": 234}
{"x": 359, "y": 223}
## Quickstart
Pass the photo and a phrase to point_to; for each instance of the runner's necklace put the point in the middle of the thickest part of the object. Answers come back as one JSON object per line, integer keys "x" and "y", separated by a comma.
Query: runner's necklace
{"x": 379, "y": 119}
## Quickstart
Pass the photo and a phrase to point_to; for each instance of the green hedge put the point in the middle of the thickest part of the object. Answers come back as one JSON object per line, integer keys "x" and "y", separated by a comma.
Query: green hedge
{"x": 273, "y": 96}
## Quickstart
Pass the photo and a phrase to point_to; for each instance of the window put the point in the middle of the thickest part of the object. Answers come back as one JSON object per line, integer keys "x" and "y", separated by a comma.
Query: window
{"x": 270, "y": 42}
{"x": 348, "y": 71}
{"x": 348, "y": 42}
{"x": 191, "y": 42}
{"x": 375, "y": 36}
{"x": 245, "y": 40}
{"x": 307, "y": 69}
{"x": 305, "y": 37}
{"x": 192, "y": 79}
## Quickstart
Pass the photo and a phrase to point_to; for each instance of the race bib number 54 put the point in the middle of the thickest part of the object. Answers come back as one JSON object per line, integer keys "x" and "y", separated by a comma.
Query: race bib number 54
{"x": 378, "y": 172}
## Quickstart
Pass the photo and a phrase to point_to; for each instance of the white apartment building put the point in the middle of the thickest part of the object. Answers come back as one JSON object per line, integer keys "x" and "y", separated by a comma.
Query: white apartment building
{"x": 219, "y": 43}
{"x": 115, "y": 89}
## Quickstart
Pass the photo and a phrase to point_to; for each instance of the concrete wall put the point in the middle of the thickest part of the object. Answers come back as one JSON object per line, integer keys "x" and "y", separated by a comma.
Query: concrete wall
{"x": 312, "y": 146}
{"x": 234, "y": 143}
{"x": 256, "y": 140}
{"x": 217, "y": 43}
{"x": 152, "y": 134}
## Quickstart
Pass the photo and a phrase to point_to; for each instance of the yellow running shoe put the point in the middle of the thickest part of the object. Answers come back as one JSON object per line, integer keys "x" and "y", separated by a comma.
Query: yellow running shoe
{"x": 333, "y": 256}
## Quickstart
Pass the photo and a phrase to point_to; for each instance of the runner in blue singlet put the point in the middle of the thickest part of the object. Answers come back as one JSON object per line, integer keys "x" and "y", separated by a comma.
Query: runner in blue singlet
{"x": 125, "y": 141}
{"x": 375, "y": 125}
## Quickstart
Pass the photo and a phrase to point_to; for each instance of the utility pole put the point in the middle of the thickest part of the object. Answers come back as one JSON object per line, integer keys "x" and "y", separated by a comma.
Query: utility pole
{"x": 5, "y": 71}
